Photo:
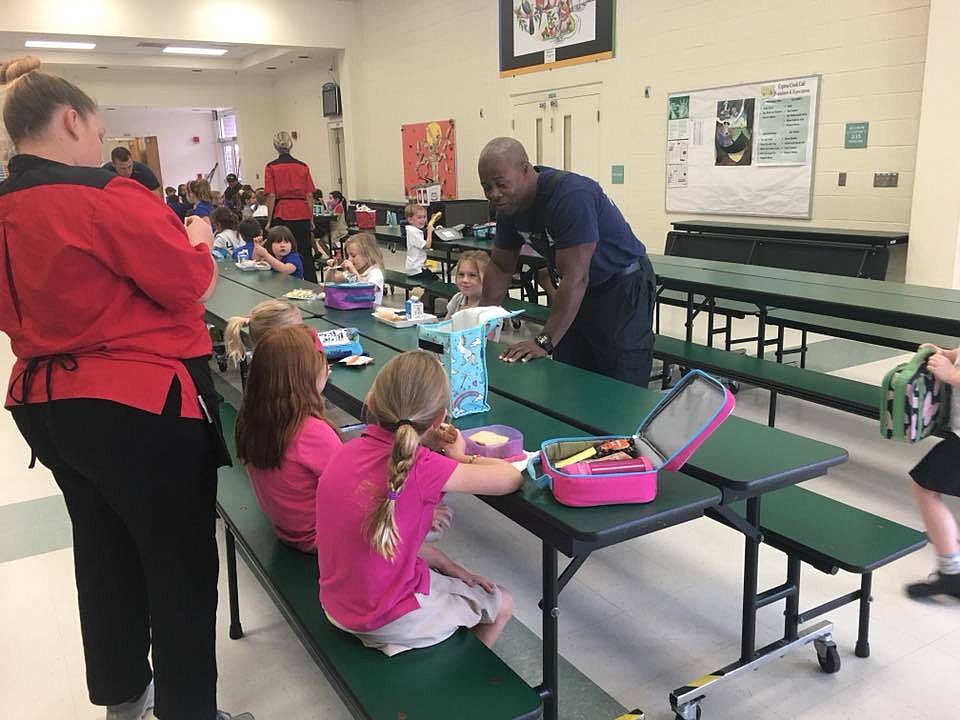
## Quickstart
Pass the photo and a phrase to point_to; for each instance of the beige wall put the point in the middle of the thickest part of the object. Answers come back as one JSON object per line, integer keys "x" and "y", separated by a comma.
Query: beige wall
{"x": 870, "y": 53}
{"x": 934, "y": 226}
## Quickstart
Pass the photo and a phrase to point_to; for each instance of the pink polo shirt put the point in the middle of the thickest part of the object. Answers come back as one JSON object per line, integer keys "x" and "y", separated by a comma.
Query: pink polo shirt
{"x": 287, "y": 494}
{"x": 359, "y": 588}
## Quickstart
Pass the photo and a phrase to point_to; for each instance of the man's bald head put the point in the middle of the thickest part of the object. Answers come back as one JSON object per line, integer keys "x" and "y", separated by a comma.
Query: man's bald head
{"x": 507, "y": 178}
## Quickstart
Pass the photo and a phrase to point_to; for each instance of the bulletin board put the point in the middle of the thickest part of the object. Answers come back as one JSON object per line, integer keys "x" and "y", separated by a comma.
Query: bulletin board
{"x": 743, "y": 149}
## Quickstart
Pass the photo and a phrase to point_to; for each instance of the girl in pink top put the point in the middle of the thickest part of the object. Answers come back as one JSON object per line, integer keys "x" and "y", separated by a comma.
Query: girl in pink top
{"x": 283, "y": 435}
{"x": 375, "y": 504}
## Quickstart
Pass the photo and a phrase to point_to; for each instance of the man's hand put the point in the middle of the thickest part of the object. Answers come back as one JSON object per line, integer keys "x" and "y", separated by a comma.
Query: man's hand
{"x": 523, "y": 351}
{"x": 199, "y": 231}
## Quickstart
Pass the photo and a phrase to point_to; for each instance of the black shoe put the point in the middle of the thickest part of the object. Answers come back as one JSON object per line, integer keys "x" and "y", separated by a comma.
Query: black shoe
{"x": 936, "y": 584}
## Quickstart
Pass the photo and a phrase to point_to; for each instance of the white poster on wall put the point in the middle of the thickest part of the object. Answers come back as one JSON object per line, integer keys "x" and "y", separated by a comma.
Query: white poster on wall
{"x": 746, "y": 150}
{"x": 553, "y": 25}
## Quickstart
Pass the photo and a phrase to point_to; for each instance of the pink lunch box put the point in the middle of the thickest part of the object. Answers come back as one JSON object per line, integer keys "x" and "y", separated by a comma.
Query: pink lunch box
{"x": 684, "y": 418}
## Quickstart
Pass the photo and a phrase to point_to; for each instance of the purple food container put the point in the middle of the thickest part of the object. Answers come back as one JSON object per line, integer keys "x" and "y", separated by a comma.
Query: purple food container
{"x": 512, "y": 447}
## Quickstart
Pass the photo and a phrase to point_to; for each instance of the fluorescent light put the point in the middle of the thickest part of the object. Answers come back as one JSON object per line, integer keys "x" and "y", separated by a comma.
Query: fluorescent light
{"x": 194, "y": 50}
{"x": 58, "y": 45}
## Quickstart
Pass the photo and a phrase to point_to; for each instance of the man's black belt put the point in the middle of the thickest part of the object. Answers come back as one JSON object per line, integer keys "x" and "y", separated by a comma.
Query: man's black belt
{"x": 623, "y": 272}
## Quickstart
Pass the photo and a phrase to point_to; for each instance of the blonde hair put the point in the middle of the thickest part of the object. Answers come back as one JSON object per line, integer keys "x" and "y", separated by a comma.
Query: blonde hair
{"x": 34, "y": 96}
{"x": 368, "y": 246}
{"x": 282, "y": 141}
{"x": 478, "y": 257}
{"x": 266, "y": 316}
{"x": 412, "y": 209}
{"x": 200, "y": 189}
{"x": 407, "y": 396}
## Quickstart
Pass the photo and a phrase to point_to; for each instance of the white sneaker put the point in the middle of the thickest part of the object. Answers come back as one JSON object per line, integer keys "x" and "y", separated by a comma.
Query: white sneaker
{"x": 134, "y": 709}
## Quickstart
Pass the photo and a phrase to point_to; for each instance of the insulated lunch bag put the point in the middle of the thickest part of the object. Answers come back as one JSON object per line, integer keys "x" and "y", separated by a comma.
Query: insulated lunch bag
{"x": 349, "y": 296}
{"x": 914, "y": 403}
{"x": 580, "y": 474}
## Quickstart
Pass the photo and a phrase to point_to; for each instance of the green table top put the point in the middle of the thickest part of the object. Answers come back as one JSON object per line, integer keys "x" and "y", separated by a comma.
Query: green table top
{"x": 572, "y": 531}
{"x": 764, "y": 458}
{"x": 877, "y": 301}
{"x": 231, "y": 298}
{"x": 268, "y": 282}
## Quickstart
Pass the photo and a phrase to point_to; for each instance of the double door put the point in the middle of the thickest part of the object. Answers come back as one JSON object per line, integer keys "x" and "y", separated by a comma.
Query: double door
{"x": 560, "y": 128}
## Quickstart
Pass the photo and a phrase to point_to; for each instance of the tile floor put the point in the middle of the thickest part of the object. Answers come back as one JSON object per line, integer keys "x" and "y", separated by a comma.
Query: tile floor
{"x": 638, "y": 620}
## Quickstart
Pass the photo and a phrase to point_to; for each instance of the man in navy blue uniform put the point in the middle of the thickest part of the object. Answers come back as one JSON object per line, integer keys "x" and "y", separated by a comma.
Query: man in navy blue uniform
{"x": 602, "y": 314}
{"x": 123, "y": 164}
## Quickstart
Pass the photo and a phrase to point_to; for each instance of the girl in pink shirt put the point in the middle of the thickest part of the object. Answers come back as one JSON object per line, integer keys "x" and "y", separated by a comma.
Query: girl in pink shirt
{"x": 283, "y": 436}
{"x": 375, "y": 504}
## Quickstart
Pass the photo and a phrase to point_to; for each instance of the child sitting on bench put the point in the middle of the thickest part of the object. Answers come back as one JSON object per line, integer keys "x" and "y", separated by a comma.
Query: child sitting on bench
{"x": 364, "y": 263}
{"x": 283, "y": 435}
{"x": 265, "y": 316}
{"x": 378, "y": 579}
{"x": 938, "y": 473}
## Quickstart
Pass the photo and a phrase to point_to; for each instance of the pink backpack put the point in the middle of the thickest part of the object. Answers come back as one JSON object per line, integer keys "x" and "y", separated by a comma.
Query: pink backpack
{"x": 667, "y": 437}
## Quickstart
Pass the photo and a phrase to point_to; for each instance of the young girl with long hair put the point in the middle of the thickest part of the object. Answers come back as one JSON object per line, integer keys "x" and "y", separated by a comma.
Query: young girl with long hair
{"x": 283, "y": 435}
{"x": 375, "y": 504}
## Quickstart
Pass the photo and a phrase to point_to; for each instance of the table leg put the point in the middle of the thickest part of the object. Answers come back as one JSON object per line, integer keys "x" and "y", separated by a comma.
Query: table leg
{"x": 236, "y": 629}
{"x": 751, "y": 560}
{"x": 551, "y": 612}
{"x": 689, "y": 335}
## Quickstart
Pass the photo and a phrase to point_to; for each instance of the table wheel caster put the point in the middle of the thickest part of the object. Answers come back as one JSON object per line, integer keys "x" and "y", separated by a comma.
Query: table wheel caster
{"x": 827, "y": 655}
{"x": 690, "y": 711}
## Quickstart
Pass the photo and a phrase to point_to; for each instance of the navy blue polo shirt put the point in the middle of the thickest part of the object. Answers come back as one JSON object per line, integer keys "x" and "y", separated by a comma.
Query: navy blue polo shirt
{"x": 141, "y": 173}
{"x": 294, "y": 259}
{"x": 574, "y": 211}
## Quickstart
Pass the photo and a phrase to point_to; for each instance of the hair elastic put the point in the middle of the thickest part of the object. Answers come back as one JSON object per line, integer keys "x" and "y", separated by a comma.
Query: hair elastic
{"x": 400, "y": 423}
{"x": 393, "y": 494}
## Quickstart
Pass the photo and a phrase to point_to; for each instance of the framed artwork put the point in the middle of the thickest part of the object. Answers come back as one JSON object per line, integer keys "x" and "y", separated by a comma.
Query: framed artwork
{"x": 429, "y": 160}
{"x": 545, "y": 34}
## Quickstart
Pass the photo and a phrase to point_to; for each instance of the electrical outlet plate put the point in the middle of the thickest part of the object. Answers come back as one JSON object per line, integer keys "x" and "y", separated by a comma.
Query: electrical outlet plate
{"x": 842, "y": 179}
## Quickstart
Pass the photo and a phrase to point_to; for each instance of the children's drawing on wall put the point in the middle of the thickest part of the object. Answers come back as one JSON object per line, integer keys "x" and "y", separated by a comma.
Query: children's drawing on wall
{"x": 544, "y": 24}
{"x": 429, "y": 160}
{"x": 734, "y": 132}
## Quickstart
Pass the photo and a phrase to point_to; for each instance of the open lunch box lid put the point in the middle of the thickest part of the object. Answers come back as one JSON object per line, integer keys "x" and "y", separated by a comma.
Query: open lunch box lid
{"x": 680, "y": 418}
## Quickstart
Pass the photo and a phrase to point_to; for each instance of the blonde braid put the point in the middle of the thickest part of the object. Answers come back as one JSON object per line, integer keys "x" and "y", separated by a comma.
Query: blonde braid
{"x": 384, "y": 537}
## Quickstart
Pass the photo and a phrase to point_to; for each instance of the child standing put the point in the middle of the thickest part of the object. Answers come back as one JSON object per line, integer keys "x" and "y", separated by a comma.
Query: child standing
{"x": 251, "y": 234}
{"x": 283, "y": 435}
{"x": 375, "y": 504}
{"x": 938, "y": 473}
{"x": 281, "y": 255}
{"x": 173, "y": 202}
{"x": 198, "y": 193}
{"x": 418, "y": 242}
{"x": 225, "y": 238}
{"x": 364, "y": 263}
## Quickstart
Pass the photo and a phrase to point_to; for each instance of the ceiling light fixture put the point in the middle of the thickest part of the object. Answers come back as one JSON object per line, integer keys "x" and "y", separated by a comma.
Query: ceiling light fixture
{"x": 59, "y": 45}
{"x": 271, "y": 67}
{"x": 175, "y": 50}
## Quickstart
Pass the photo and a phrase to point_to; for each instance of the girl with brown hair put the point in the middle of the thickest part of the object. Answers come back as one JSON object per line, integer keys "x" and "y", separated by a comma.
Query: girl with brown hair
{"x": 375, "y": 504}
{"x": 283, "y": 435}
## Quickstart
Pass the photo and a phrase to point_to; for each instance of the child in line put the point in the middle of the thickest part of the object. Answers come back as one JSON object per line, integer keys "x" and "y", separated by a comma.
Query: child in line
{"x": 364, "y": 263}
{"x": 278, "y": 252}
{"x": 173, "y": 202}
{"x": 418, "y": 242}
{"x": 937, "y": 474}
{"x": 251, "y": 234}
{"x": 198, "y": 193}
{"x": 265, "y": 316}
{"x": 375, "y": 503}
{"x": 283, "y": 435}
{"x": 336, "y": 203}
{"x": 225, "y": 238}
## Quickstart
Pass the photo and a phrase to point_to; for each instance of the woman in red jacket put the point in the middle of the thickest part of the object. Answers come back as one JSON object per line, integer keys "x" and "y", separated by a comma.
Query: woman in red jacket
{"x": 112, "y": 390}
{"x": 289, "y": 189}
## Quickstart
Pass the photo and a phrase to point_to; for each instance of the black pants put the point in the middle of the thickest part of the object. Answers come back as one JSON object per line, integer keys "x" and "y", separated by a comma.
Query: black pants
{"x": 141, "y": 491}
{"x": 612, "y": 333}
{"x": 301, "y": 232}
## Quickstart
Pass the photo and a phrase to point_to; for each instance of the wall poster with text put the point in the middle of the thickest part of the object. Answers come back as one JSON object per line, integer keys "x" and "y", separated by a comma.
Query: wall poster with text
{"x": 429, "y": 157}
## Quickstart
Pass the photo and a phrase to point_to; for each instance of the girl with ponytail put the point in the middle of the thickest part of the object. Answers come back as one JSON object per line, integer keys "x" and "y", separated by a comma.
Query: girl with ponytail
{"x": 266, "y": 316}
{"x": 375, "y": 505}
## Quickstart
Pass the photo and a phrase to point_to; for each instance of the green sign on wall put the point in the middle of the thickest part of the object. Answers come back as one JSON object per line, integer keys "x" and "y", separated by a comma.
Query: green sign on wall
{"x": 855, "y": 135}
{"x": 616, "y": 174}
